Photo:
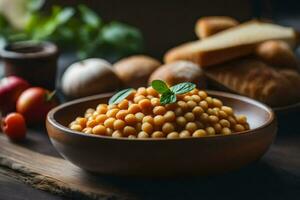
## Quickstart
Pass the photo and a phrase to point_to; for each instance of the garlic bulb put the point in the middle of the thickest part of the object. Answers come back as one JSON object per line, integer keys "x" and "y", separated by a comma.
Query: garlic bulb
{"x": 89, "y": 77}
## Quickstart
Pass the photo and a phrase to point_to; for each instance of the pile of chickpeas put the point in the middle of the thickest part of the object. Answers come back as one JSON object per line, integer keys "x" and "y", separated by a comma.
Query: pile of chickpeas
{"x": 141, "y": 115}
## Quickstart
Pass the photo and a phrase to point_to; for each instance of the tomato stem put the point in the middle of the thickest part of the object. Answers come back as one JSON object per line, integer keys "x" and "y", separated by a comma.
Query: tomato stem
{"x": 49, "y": 96}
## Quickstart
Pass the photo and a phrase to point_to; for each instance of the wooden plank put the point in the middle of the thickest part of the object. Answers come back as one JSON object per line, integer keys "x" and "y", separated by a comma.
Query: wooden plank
{"x": 53, "y": 174}
{"x": 276, "y": 176}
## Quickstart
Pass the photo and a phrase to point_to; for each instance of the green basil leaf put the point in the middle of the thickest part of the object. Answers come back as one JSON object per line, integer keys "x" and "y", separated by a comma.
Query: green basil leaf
{"x": 118, "y": 97}
{"x": 183, "y": 88}
{"x": 167, "y": 98}
{"x": 160, "y": 86}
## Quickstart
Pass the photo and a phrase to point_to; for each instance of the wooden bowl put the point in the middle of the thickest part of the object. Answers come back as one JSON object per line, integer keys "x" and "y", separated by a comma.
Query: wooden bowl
{"x": 163, "y": 157}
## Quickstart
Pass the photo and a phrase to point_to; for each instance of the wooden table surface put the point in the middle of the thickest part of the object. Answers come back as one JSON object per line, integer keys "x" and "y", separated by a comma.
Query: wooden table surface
{"x": 275, "y": 176}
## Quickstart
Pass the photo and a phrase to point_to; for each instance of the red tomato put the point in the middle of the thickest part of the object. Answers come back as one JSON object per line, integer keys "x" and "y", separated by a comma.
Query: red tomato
{"x": 14, "y": 126}
{"x": 34, "y": 104}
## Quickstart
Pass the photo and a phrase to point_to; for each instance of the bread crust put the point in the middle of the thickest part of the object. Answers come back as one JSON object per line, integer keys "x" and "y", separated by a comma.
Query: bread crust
{"x": 207, "y": 26}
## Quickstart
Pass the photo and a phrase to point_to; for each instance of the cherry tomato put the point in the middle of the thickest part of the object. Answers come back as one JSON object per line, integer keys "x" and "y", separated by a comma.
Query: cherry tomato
{"x": 34, "y": 104}
{"x": 14, "y": 126}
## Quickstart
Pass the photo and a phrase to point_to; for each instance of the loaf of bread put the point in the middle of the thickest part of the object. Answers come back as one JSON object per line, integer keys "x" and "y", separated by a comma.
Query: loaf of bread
{"x": 277, "y": 53}
{"x": 229, "y": 44}
{"x": 207, "y": 26}
{"x": 178, "y": 72}
{"x": 255, "y": 79}
{"x": 134, "y": 71}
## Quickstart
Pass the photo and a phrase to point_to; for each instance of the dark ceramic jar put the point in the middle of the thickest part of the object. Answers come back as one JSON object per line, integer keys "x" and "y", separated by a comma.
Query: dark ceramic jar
{"x": 36, "y": 62}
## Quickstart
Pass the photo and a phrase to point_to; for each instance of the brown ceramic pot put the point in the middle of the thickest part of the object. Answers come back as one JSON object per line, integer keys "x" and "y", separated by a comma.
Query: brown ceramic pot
{"x": 36, "y": 62}
{"x": 209, "y": 155}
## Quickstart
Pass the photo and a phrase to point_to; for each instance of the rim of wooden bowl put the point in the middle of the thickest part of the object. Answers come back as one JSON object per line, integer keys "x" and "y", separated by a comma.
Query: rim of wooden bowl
{"x": 56, "y": 124}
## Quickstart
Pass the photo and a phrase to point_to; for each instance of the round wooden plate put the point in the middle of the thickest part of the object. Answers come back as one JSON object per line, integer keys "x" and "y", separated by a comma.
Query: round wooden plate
{"x": 209, "y": 155}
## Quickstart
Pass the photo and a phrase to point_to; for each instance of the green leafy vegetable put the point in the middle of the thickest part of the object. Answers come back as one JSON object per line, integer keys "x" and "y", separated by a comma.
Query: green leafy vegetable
{"x": 182, "y": 88}
{"x": 118, "y": 97}
{"x": 78, "y": 29}
{"x": 160, "y": 86}
{"x": 169, "y": 94}
{"x": 168, "y": 97}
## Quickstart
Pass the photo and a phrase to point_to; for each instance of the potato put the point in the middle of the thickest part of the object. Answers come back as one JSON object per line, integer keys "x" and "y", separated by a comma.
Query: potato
{"x": 276, "y": 53}
{"x": 179, "y": 71}
{"x": 134, "y": 71}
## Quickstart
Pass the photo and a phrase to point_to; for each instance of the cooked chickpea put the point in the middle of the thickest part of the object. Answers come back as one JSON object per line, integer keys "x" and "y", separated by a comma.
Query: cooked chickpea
{"x": 142, "y": 91}
{"x": 134, "y": 108}
{"x": 232, "y": 121}
{"x": 159, "y": 110}
{"x": 109, "y": 123}
{"x": 204, "y": 105}
{"x": 189, "y": 116}
{"x": 184, "y": 134}
{"x": 147, "y": 127}
{"x": 109, "y": 131}
{"x": 187, "y": 98}
{"x": 202, "y": 94}
{"x": 139, "y": 116}
{"x": 159, "y": 120}
{"x": 138, "y": 98}
{"x": 131, "y": 137}
{"x": 88, "y": 130}
{"x": 76, "y": 127}
{"x": 157, "y": 134}
{"x": 117, "y": 134}
{"x": 222, "y": 114}
{"x": 191, "y": 104}
{"x": 130, "y": 119}
{"x": 143, "y": 134}
{"x": 241, "y": 119}
{"x": 101, "y": 118}
{"x": 217, "y": 103}
{"x": 225, "y": 131}
{"x": 217, "y": 127}
{"x": 227, "y": 110}
{"x": 81, "y": 121}
{"x": 197, "y": 111}
{"x": 178, "y": 111}
{"x": 191, "y": 127}
{"x": 196, "y": 98}
{"x": 173, "y": 135}
{"x": 112, "y": 113}
{"x": 169, "y": 116}
{"x": 155, "y": 102}
{"x": 129, "y": 130}
{"x": 213, "y": 119}
{"x": 99, "y": 130}
{"x": 204, "y": 117}
{"x": 239, "y": 128}
{"x": 168, "y": 127}
{"x": 121, "y": 114}
{"x": 148, "y": 119}
{"x": 109, "y": 107}
{"x": 182, "y": 104}
{"x": 91, "y": 123}
{"x": 119, "y": 124}
{"x": 199, "y": 133}
{"x": 123, "y": 104}
{"x": 101, "y": 109}
{"x": 181, "y": 121}
{"x": 152, "y": 92}
{"x": 225, "y": 123}
{"x": 145, "y": 104}
{"x": 210, "y": 130}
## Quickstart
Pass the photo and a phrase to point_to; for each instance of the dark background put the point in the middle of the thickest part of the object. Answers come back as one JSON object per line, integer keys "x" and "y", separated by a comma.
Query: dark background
{"x": 167, "y": 23}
